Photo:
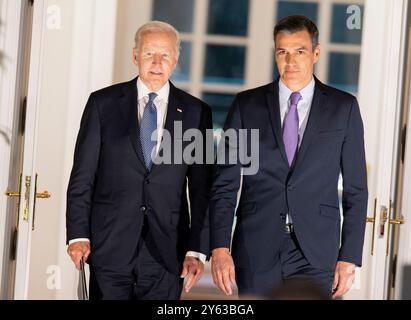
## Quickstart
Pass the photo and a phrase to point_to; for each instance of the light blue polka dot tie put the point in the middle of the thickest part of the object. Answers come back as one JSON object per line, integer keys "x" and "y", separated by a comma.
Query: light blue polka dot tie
{"x": 147, "y": 127}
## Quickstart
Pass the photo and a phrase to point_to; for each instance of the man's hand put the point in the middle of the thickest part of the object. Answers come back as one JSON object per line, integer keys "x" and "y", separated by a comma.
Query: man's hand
{"x": 77, "y": 250}
{"x": 343, "y": 278}
{"x": 193, "y": 269}
{"x": 222, "y": 268}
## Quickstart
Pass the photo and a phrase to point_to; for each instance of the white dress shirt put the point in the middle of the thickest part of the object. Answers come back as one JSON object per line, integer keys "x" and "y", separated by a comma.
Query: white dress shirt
{"x": 303, "y": 109}
{"x": 161, "y": 103}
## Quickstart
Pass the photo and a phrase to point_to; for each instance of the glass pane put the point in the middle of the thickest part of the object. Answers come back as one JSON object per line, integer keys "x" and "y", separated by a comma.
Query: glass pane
{"x": 343, "y": 70}
{"x": 288, "y": 8}
{"x": 224, "y": 64}
{"x": 182, "y": 70}
{"x": 228, "y": 17}
{"x": 220, "y": 104}
{"x": 339, "y": 31}
{"x": 178, "y": 13}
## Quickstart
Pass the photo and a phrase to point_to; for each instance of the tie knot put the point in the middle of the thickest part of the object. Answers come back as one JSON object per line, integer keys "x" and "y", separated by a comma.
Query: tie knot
{"x": 151, "y": 96}
{"x": 295, "y": 97}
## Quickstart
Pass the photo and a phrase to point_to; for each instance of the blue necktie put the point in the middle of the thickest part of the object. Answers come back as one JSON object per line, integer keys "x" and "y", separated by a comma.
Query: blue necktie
{"x": 147, "y": 127}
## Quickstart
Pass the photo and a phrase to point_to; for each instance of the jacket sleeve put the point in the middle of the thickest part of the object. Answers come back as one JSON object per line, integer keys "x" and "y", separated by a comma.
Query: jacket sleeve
{"x": 226, "y": 181}
{"x": 355, "y": 192}
{"x": 199, "y": 184}
{"x": 83, "y": 174}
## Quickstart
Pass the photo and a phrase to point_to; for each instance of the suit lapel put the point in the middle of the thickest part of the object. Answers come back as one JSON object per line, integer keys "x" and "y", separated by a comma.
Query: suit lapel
{"x": 273, "y": 104}
{"x": 317, "y": 105}
{"x": 129, "y": 105}
{"x": 175, "y": 112}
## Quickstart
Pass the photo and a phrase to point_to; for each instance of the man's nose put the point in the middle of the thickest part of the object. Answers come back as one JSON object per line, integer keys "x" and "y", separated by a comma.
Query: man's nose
{"x": 157, "y": 59}
{"x": 290, "y": 59}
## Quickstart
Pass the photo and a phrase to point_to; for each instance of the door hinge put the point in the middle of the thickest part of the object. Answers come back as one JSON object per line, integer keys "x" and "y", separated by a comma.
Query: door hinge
{"x": 403, "y": 139}
{"x": 13, "y": 246}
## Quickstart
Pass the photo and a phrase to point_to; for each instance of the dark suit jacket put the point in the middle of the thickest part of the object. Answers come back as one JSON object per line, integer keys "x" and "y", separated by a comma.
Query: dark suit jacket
{"x": 110, "y": 190}
{"x": 332, "y": 142}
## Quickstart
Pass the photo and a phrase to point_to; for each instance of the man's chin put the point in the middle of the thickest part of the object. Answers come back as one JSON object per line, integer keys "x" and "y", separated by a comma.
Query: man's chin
{"x": 291, "y": 79}
{"x": 155, "y": 82}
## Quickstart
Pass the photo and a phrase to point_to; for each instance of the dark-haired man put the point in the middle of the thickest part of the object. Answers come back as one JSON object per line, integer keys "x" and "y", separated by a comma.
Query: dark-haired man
{"x": 288, "y": 217}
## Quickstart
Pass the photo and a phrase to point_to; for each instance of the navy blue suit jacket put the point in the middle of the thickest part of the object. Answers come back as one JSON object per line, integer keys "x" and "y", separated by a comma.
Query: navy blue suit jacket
{"x": 110, "y": 190}
{"x": 332, "y": 143}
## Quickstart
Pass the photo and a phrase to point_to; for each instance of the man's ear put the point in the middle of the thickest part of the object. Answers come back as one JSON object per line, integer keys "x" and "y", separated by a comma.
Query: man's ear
{"x": 135, "y": 56}
{"x": 317, "y": 52}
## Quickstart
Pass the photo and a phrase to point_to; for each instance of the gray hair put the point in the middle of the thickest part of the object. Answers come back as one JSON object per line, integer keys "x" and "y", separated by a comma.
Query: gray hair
{"x": 160, "y": 27}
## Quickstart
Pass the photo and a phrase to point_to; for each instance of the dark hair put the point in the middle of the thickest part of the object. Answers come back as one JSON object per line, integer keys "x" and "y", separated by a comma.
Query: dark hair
{"x": 294, "y": 24}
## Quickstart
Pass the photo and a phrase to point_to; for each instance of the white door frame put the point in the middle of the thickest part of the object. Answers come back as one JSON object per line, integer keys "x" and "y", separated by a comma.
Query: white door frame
{"x": 11, "y": 39}
{"x": 380, "y": 90}
{"x": 404, "y": 249}
{"x": 30, "y": 143}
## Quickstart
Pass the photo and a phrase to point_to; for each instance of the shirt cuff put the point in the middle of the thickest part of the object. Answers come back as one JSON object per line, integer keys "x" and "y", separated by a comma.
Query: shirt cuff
{"x": 78, "y": 239}
{"x": 202, "y": 257}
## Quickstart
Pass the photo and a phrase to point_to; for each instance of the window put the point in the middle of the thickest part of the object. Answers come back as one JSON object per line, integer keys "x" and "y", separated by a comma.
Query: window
{"x": 178, "y": 13}
{"x": 220, "y": 102}
{"x": 227, "y": 45}
{"x": 288, "y": 8}
{"x": 343, "y": 71}
{"x": 227, "y": 17}
{"x": 345, "y": 46}
{"x": 224, "y": 64}
{"x": 339, "y": 33}
{"x": 182, "y": 71}
{"x": 340, "y": 47}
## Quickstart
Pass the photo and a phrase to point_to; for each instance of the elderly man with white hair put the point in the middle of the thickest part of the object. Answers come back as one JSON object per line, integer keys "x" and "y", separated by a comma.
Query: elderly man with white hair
{"x": 142, "y": 226}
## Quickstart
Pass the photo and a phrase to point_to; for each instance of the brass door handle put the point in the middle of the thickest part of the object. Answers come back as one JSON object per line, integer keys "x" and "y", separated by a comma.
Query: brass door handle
{"x": 43, "y": 195}
{"x": 397, "y": 221}
{"x": 12, "y": 194}
{"x": 372, "y": 220}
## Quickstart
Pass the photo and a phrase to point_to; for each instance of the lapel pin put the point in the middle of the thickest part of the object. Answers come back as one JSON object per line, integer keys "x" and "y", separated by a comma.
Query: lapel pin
{"x": 179, "y": 110}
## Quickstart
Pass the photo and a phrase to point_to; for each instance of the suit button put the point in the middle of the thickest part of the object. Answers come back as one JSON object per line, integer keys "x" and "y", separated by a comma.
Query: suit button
{"x": 143, "y": 208}
{"x": 290, "y": 187}
{"x": 147, "y": 181}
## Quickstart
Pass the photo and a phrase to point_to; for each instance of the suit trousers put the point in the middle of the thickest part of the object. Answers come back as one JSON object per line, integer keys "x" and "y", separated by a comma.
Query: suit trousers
{"x": 290, "y": 265}
{"x": 149, "y": 279}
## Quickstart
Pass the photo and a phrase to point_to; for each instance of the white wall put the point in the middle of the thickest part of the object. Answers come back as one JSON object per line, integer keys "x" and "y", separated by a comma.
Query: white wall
{"x": 131, "y": 14}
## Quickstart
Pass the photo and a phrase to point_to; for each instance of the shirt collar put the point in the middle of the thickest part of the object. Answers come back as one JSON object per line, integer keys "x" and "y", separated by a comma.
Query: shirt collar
{"x": 305, "y": 92}
{"x": 143, "y": 91}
